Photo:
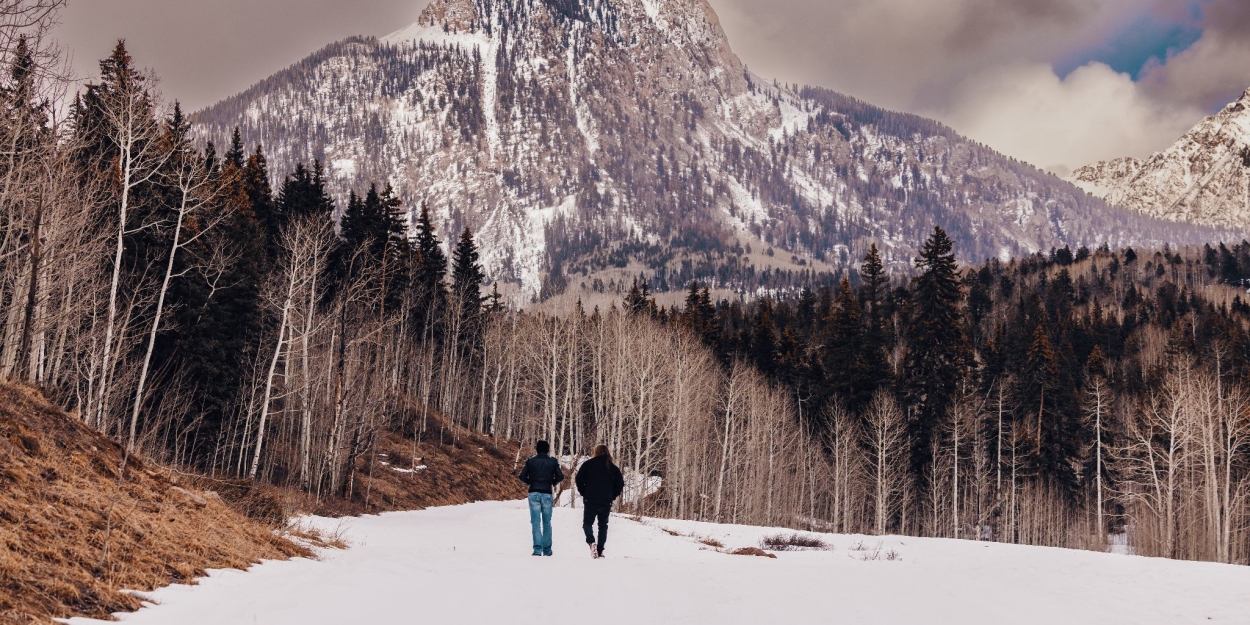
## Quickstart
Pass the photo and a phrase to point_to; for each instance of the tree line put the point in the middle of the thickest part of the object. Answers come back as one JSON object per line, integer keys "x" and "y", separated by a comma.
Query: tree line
{"x": 1069, "y": 398}
{"x": 171, "y": 298}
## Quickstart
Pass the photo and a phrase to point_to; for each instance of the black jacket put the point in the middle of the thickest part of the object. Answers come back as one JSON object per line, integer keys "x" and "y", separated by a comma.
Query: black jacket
{"x": 599, "y": 481}
{"x": 542, "y": 473}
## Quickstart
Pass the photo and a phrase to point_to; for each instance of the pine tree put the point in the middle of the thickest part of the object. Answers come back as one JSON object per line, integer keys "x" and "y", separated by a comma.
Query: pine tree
{"x": 876, "y": 368}
{"x": 467, "y": 277}
{"x": 496, "y": 301}
{"x": 638, "y": 300}
{"x": 844, "y": 349}
{"x": 235, "y": 154}
{"x": 27, "y": 136}
{"x": 938, "y": 355}
{"x": 1049, "y": 413}
{"x": 428, "y": 274}
{"x": 304, "y": 194}
{"x": 764, "y": 338}
{"x": 256, "y": 185}
{"x": 214, "y": 329}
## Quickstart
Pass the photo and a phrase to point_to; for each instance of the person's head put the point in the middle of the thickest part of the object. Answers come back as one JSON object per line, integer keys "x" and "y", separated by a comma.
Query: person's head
{"x": 602, "y": 450}
{"x": 542, "y": 447}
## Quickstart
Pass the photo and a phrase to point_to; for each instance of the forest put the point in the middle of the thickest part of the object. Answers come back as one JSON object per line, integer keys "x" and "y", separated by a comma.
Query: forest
{"x": 216, "y": 317}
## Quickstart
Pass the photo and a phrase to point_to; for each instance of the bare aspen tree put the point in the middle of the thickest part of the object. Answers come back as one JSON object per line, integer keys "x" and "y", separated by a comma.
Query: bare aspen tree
{"x": 1154, "y": 458}
{"x": 843, "y": 439}
{"x": 305, "y": 245}
{"x": 731, "y": 409}
{"x": 195, "y": 191}
{"x": 883, "y": 439}
{"x": 134, "y": 133}
{"x": 965, "y": 415}
{"x": 1098, "y": 405}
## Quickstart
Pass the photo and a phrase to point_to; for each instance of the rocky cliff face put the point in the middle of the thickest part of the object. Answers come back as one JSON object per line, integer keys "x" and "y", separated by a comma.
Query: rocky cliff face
{"x": 575, "y": 136}
{"x": 1204, "y": 178}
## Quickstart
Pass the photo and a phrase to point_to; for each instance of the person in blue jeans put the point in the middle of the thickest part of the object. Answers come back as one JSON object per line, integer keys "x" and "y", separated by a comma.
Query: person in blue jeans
{"x": 541, "y": 473}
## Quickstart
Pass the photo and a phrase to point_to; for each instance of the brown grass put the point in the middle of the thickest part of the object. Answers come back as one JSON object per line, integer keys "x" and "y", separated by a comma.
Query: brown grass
{"x": 460, "y": 467}
{"x": 752, "y": 551}
{"x": 58, "y": 481}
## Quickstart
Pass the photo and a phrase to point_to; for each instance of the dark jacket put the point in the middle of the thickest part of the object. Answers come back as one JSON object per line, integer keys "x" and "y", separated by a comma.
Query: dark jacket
{"x": 600, "y": 482}
{"x": 542, "y": 473}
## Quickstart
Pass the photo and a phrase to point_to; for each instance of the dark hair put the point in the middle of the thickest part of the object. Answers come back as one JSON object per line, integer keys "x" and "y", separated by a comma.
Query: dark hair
{"x": 602, "y": 450}
{"x": 542, "y": 447}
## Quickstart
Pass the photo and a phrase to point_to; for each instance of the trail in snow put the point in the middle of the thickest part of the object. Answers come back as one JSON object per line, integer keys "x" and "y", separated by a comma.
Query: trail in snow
{"x": 471, "y": 564}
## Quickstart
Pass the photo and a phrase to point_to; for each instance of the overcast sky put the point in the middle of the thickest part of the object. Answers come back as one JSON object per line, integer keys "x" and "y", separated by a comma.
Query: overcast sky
{"x": 1058, "y": 83}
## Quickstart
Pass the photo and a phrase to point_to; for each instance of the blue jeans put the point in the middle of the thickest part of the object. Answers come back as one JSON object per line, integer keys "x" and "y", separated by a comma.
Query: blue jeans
{"x": 540, "y": 521}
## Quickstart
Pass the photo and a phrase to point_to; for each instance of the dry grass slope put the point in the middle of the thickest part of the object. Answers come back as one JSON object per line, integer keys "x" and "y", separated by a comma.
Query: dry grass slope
{"x": 58, "y": 481}
{"x": 460, "y": 466}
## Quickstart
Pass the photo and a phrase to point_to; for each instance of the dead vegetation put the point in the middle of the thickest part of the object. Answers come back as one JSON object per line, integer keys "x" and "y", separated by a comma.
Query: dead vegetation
{"x": 450, "y": 465}
{"x": 59, "y": 480}
{"x": 62, "y": 554}
{"x": 794, "y": 542}
{"x": 752, "y": 551}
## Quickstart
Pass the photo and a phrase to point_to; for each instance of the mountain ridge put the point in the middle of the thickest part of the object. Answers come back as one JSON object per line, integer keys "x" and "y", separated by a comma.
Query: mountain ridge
{"x": 576, "y": 137}
{"x": 1203, "y": 178}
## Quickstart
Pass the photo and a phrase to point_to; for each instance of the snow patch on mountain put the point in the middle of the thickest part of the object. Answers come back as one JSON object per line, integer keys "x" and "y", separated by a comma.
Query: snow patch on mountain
{"x": 565, "y": 133}
{"x": 1203, "y": 178}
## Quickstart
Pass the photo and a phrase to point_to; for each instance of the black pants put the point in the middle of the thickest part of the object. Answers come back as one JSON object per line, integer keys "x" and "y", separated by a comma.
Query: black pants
{"x": 591, "y": 511}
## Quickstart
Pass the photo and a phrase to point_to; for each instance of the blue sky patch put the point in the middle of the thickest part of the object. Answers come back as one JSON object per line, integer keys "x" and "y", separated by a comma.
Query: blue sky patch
{"x": 1131, "y": 47}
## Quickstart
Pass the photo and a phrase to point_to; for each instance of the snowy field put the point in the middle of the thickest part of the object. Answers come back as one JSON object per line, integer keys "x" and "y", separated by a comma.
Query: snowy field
{"x": 472, "y": 564}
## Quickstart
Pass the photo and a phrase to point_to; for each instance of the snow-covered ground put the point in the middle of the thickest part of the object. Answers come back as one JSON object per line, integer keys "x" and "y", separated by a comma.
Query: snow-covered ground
{"x": 472, "y": 564}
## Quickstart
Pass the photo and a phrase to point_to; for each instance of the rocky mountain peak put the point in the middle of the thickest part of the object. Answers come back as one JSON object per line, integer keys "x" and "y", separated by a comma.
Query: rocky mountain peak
{"x": 1203, "y": 178}
{"x": 453, "y": 15}
{"x": 588, "y": 141}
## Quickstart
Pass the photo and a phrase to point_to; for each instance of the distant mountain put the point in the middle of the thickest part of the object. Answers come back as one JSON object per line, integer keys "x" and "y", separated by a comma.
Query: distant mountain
{"x": 1204, "y": 178}
{"x": 577, "y": 136}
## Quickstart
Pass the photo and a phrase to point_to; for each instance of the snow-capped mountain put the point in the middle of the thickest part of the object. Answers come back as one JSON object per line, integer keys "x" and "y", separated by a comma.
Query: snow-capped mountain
{"x": 579, "y": 135}
{"x": 1203, "y": 178}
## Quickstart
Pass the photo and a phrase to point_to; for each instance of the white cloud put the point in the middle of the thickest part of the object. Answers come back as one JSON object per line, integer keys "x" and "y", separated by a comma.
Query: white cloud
{"x": 1216, "y": 69}
{"x": 985, "y": 67}
{"x": 1025, "y": 110}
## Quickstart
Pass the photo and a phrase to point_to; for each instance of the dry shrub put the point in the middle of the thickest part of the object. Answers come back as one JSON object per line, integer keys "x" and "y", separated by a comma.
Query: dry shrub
{"x": 752, "y": 551}
{"x": 712, "y": 542}
{"x": 58, "y": 484}
{"x": 317, "y": 538}
{"x": 460, "y": 467}
{"x": 794, "y": 542}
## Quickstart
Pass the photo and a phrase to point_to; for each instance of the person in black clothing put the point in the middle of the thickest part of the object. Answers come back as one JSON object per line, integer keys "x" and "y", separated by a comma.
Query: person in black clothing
{"x": 541, "y": 473}
{"x": 600, "y": 482}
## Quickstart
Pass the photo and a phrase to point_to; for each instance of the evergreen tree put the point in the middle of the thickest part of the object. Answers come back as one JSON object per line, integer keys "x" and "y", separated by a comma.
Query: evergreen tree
{"x": 255, "y": 177}
{"x": 938, "y": 355}
{"x": 364, "y": 225}
{"x": 763, "y": 339}
{"x": 876, "y": 368}
{"x": 844, "y": 346}
{"x": 467, "y": 275}
{"x": 638, "y": 300}
{"x": 235, "y": 154}
{"x": 496, "y": 302}
{"x": 304, "y": 194}
{"x": 428, "y": 274}
{"x": 371, "y": 232}
{"x": 699, "y": 314}
{"x": 27, "y": 138}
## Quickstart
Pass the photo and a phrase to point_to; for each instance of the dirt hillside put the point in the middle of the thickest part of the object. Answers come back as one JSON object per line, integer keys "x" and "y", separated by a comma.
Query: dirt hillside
{"x": 74, "y": 537}
{"x": 58, "y": 484}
